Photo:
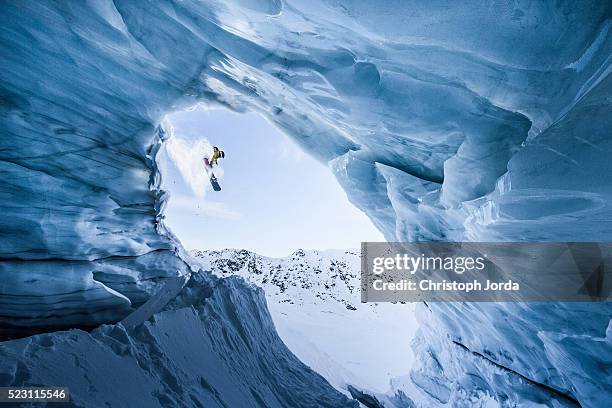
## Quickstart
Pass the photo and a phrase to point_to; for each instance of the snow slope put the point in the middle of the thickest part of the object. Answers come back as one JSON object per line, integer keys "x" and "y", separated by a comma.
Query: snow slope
{"x": 442, "y": 121}
{"x": 212, "y": 345}
{"x": 314, "y": 300}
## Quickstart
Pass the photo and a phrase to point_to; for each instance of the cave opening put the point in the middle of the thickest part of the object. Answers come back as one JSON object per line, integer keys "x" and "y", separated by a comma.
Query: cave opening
{"x": 276, "y": 201}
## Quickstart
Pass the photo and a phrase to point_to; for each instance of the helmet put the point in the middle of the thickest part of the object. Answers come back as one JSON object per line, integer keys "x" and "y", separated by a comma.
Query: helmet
{"x": 222, "y": 154}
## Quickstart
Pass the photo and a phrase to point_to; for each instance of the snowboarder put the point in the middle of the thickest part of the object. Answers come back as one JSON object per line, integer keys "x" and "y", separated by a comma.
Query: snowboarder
{"x": 217, "y": 154}
{"x": 208, "y": 165}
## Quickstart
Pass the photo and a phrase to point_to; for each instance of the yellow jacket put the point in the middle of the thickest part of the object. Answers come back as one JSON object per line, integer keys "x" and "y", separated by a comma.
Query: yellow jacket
{"x": 216, "y": 155}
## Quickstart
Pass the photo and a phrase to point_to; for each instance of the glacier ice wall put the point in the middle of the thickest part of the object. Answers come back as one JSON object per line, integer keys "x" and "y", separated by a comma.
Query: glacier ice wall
{"x": 442, "y": 121}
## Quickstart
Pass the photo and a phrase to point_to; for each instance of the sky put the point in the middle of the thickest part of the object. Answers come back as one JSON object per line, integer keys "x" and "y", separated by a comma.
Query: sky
{"x": 274, "y": 198}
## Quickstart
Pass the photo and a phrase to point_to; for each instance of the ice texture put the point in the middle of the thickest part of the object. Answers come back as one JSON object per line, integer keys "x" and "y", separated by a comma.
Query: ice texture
{"x": 442, "y": 121}
{"x": 213, "y": 345}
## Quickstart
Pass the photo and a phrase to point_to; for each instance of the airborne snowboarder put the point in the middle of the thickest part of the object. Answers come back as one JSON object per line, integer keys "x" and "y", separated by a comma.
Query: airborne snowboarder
{"x": 217, "y": 154}
{"x": 210, "y": 162}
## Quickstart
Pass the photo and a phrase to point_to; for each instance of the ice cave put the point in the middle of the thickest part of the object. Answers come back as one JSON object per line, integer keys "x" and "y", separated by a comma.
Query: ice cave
{"x": 442, "y": 121}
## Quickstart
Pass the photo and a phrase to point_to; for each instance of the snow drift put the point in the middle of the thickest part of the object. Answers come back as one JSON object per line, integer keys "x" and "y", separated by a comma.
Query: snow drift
{"x": 441, "y": 121}
{"x": 314, "y": 299}
{"x": 213, "y": 345}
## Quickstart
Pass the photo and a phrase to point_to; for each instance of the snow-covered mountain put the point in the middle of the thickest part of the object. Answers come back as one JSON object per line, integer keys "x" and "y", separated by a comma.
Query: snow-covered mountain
{"x": 314, "y": 299}
{"x": 302, "y": 278}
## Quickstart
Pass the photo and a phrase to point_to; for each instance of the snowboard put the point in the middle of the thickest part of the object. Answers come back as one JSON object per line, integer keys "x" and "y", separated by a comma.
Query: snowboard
{"x": 211, "y": 176}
